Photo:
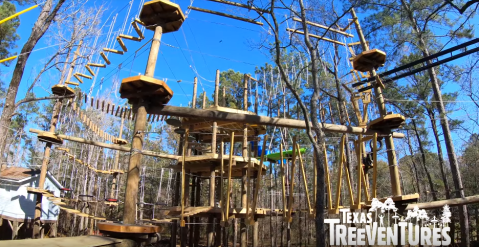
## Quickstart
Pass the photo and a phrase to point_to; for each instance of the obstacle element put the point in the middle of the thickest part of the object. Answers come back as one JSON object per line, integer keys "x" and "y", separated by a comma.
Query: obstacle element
{"x": 162, "y": 13}
{"x": 62, "y": 90}
{"x": 390, "y": 121}
{"x": 50, "y": 137}
{"x": 153, "y": 91}
{"x": 368, "y": 60}
{"x": 120, "y": 141}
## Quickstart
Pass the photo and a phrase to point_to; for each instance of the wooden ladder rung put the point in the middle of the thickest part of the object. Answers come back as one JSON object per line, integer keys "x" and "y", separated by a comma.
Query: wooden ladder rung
{"x": 138, "y": 21}
{"x": 123, "y": 46}
{"x": 97, "y": 65}
{"x": 72, "y": 83}
{"x": 113, "y": 51}
{"x": 78, "y": 78}
{"x": 123, "y": 36}
{"x": 137, "y": 29}
{"x": 83, "y": 75}
{"x": 105, "y": 58}
{"x": 89, "y": 70}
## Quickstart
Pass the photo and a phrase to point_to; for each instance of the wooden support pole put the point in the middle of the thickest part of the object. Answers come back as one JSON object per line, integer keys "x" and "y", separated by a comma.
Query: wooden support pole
{"x": 212, "y": 115}
{"x": 133, "y": 175}
{"x": 392, "y": 160}
{"x": 195, "y": 86}
{"x": 183, "y": 178}
{"x": 37, "y": 225}
{"x": 327, "y": 177}
{"x": 283, "y": 181}
{"x": 451, "y": 202}
{"x": 316, "y": 36}
{"x": 305, "y": 182}
{"x": 324, "y": 27}
{"x": 375, "y": 165}
{"x": 291, "y": 183}
{"x": 230, "y": 168}
{"x": 359, "y": 167}
{"x": 226, "y": 15}
{"x": 340, "y": 172}
{"x": 259, "y": 176}
{"x": 241, "y": 5}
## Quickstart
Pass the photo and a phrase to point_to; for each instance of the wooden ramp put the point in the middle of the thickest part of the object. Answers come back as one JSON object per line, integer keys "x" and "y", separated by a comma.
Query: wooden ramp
{"x": 82, "y": 241}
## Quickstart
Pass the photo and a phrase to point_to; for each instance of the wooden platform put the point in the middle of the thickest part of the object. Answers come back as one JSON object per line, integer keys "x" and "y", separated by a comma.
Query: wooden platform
{"x": 390, "y": 121}
{"x": 204, "y": 163}
{"x": 224, "y": 127}
{"x": 164, "y": 13}
{"x": 105, "y": 227}
{"x": 62, "y": 90}
{"x": 82, "y": 241}
{"x": 368, "y": 60}
{"x": 206, "y": 211}
{"x": 50, "y": 137}
{"x": 154, "y": 91}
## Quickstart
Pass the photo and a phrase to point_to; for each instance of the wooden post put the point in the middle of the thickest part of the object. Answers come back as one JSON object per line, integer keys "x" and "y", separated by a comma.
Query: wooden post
{"x": 115, "y": 163}
{"x": 244, "y": 180}
{"x": 133, "y": 175}
{"x": 375, "y": 165}
{"x": 224, "y": 96}
{"x": 392, "y": 160}
{"x": 305, "y": 183}
{"x": 195, "y": 85}
{"x": 283, "y": 181}
{"x": 37, "y": 225}
{"x": 230, "y": 168}
{"x": 204, "y": 100}
{"x": 359, "y": 172}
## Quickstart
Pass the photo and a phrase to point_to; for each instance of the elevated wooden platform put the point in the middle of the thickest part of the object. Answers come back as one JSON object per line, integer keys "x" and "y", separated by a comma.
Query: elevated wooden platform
{"x": 224, "y": 127}
{"x": 154, "y": 91}
{"x": 82, "y": 241}
{"x": 163, "y": 13}
{"x": 368, "y": 60}
{"x": 204, "y": 163}
{"x": 50, "y": 137}
{"x": 127, "y": 228}
{"x": 390, "y": 121}
{"x": 62, "y": 90}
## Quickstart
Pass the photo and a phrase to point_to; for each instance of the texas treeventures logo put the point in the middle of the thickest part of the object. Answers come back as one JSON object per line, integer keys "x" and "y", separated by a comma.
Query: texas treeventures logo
{"x": 384, "y": 226}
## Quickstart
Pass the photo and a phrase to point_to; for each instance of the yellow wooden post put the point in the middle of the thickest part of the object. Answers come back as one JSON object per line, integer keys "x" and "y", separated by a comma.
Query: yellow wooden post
{"x": 230, "y": 167}
{"x": 182, "y": 217}
{"x": 328, "y": 182}
{"x": 375, "y": 164}
{"x": 359, "y": 167}
{"x": 291, "y": 184}
{"x": 283, "y": 181}
{"x": 340, "y": 172}
{"x": 305, "y": 182}
{"x": 348, "y": 180}
{"x": 259, "y": 177}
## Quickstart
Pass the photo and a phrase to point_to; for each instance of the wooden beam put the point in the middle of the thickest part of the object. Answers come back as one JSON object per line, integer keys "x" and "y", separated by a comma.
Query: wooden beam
{"x": 212, "y": 115}
{"x": 110, "y": 146}
{"x": 451, "y": 202}
{"x": 230, "y": 168}
{"x": 226, "y": 15}
{"x": 242, "y": 6}
{"x": 322, "y": 26}
{"x": 316, "y": 36}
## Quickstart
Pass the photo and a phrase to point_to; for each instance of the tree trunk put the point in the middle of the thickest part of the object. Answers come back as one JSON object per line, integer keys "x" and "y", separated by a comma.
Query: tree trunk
{"x": 442, "y": 165}
{"x": 456, "y": 174}
{"x": 423, "y": 156}
{"x": 40, "y": 27}
{"x": 414, "y": 165}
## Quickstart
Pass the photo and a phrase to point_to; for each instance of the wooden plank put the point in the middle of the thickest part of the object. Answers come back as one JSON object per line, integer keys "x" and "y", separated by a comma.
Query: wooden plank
{"x": 324, "y": 27}
{"x": 212, "y": 115}
{"x": 123, "y": 36}
{"x": 89, "y": 70}
{"x": 105, "y": 58}
{"x": 123, "y": 46}
{"x": 78, "y": 78}
{"x": 99, "y": 65}
{"x": 72, "y": 83}
{"x": 137, "y": 29}
{"x": 110, "y": 146}
{"x": 316, "y": 36}
{"x": 226, "y": 15}
{"x": 113, "y": 51}
{"x": 84, "y": 76}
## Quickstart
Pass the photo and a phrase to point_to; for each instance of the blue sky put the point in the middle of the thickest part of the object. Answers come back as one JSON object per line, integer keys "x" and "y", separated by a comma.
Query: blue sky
{"x": 203, "y": 44}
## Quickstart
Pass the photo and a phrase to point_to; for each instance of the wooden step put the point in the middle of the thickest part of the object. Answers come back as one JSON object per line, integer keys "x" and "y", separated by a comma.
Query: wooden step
{"x": 123, "y": 46}
{"x": 78, "y": 78}
{"x": 72, "y": 83}
{"x": 138, "y": 21}
{"x": 130, "y": 37}
{"x": 105, "y": 58}
{"x": 113, "y": 51}
{"x": 83, "y": 75}
{"x": 137, "y": 29}
{"x": 99, "y": 65}
{"x": 89, "y": 70}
